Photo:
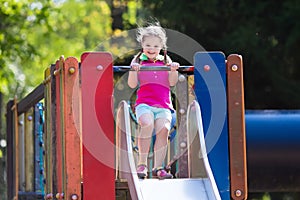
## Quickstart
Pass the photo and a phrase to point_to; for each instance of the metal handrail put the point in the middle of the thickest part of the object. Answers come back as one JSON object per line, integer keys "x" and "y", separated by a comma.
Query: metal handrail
{"x": 153, "y": 68}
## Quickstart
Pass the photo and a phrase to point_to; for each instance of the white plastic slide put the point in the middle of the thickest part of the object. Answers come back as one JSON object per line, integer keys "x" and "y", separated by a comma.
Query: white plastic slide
{"x": 203, "y": 188}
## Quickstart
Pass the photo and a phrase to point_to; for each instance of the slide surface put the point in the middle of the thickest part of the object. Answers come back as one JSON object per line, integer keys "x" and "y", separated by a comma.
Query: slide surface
{"x": 153, "y": 189}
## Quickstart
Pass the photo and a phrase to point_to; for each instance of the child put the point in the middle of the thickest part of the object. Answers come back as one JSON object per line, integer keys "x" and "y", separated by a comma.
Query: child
{"x": 153, "y": 103}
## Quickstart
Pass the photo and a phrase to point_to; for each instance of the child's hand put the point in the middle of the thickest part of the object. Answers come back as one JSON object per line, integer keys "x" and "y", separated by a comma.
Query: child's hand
{"x": 174, "y": 66}
{"x": 135, "y": 66}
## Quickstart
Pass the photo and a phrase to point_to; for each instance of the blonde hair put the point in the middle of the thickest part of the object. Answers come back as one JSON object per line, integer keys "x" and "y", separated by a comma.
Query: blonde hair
{"x": 153, "y": 29}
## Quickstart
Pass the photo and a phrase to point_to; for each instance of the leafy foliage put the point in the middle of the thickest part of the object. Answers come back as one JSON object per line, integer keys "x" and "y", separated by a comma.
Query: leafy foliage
{"x": 35, "y": 33}
{"x": 16, "y": 18}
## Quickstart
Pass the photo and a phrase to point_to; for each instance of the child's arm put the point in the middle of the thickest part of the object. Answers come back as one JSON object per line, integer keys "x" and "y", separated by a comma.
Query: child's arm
{"x": 173, "y": 74}
{"x": 133, "y": 75}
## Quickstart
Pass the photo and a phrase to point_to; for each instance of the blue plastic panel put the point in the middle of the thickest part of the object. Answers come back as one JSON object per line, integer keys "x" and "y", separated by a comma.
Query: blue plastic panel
{"x": 210, "y": 91}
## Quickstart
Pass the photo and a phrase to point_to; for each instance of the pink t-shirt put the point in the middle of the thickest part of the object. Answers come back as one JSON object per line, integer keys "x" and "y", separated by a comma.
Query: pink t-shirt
{"x": 154, "y": 87}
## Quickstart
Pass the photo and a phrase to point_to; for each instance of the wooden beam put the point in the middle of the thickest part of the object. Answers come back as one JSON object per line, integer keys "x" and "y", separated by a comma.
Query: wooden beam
{"x": 31, "y": 99}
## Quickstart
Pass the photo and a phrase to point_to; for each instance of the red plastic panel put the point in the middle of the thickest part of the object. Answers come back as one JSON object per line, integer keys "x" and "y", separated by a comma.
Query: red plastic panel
{"x": 97, "y": 126}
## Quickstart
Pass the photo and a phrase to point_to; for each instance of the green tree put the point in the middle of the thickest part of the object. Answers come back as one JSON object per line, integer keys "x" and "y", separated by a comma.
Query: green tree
{"x": 16, "y": 18}
{"x": 265, "y": 33}
{"x": 34, "y": 34}
{"x": 74, "y": 27}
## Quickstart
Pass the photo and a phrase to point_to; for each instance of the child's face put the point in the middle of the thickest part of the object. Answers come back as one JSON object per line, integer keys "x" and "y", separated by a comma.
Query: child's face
{"x": 151, "y": 46}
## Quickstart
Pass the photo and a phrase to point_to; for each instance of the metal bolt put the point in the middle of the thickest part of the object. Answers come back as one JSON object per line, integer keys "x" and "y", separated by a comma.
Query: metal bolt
{"x": 238, "y": 193}
{"x": 74, "y": 197}
{"x": 71, "y": 70}
{"x": 182, "y": 111}
{"x": 182, "y": 144}
{"x": 56, "y": 72}
{"x": 99, "y": 67}
{"x": 181, "y": 78}
{"x": 49, "y": 196}
{"x": 59, "y": 195}
{"x": 234, "y": 68}
{"x": 206, "y": 68}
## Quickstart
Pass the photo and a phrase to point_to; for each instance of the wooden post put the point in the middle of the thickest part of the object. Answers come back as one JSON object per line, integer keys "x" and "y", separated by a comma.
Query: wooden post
{"x": 21, "y": 136}
{"x": 181, "y": 108}
{"x": 236, "y": 125}
{"x": 29, "y": 151}
{"x": 59, "y": 132}
{"x": 53, "y": 130}
{"x": 16, "y": 147}
{"x": 72, "y": 128}
{"x": 10, "y": 150}
{"x": 48, "y": 133}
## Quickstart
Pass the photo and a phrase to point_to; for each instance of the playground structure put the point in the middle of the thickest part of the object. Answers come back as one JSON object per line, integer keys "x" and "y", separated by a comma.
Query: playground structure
{"x": 71, "y": 154}
{"x": 76, "y": 157}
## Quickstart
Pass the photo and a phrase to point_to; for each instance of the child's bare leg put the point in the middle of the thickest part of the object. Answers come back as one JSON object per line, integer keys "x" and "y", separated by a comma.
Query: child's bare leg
{"x": 146, "y": 122}
{"x": 160, "y": 147}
